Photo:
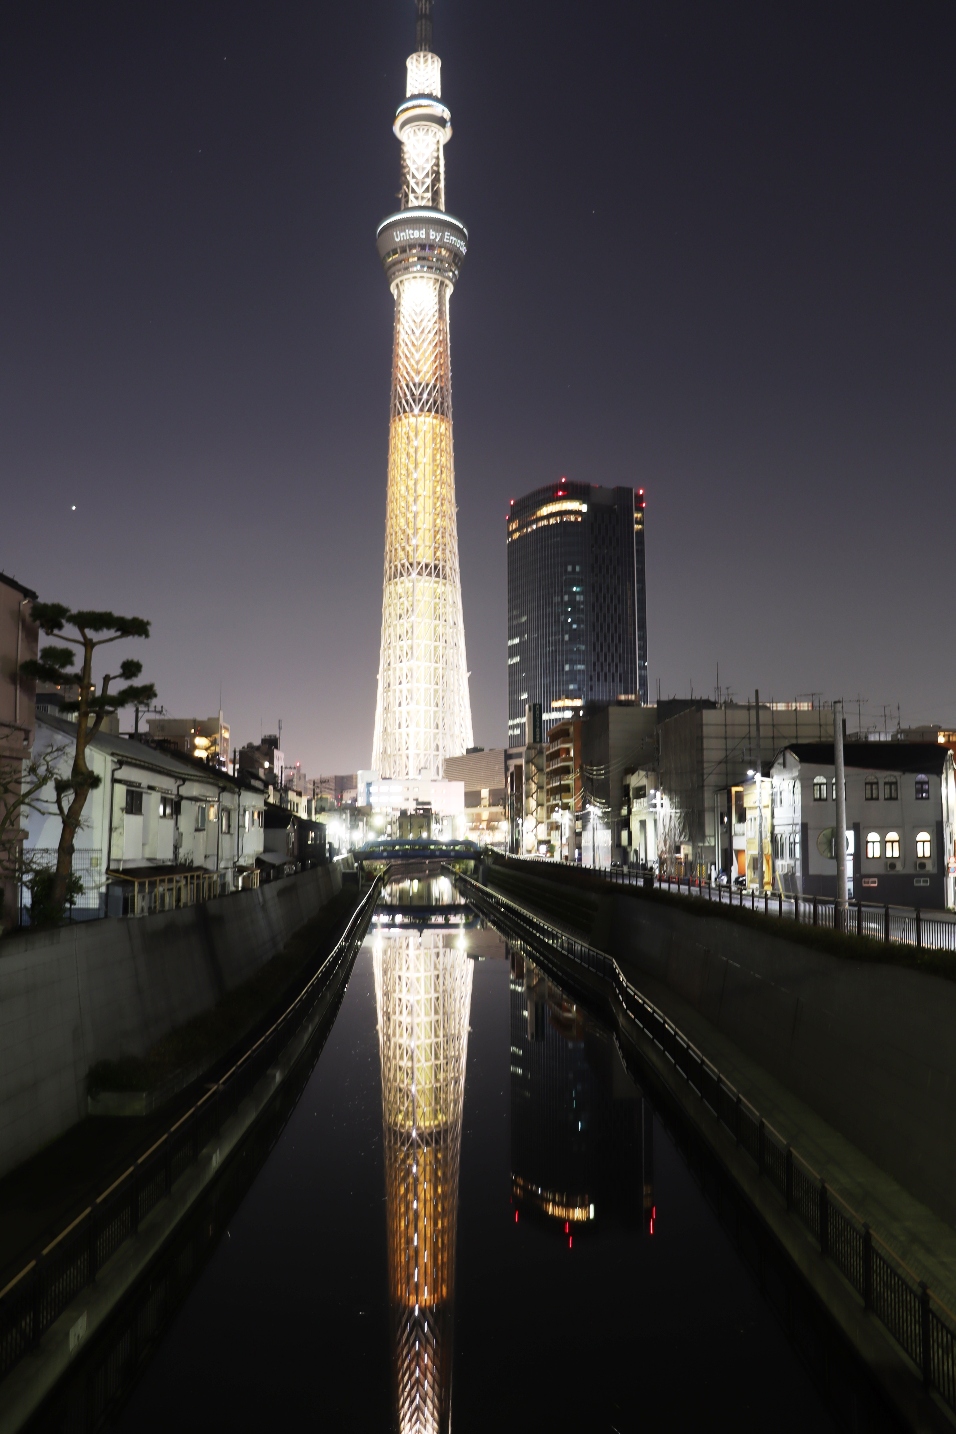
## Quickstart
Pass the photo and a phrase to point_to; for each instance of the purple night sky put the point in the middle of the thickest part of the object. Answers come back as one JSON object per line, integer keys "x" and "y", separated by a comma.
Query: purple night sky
{"x": 712, "y": 254}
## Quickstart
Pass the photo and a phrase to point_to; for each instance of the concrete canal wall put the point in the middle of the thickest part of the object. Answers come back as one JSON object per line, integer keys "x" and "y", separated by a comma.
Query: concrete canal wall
{"x": 870, "y": 1047}
{"x": 75, "y": 995}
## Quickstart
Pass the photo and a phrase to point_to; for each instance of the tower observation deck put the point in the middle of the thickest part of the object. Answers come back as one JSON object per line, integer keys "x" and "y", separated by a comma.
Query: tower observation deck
{"x": 423, "y": 710}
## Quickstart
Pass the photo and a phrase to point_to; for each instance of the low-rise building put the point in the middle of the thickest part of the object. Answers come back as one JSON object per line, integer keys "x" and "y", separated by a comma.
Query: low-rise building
{"x": 153, "y": 817}
{"x": 483, "y": 775}
{"x": 616, "y": 740}
{"x": 339, "y": 790}
{"x": 756, "y": 796}
{"x": 706, "y": 752}
{"x": 206, "y": 738}
{"x": 262, "y": 760}
{"x": 645, "y": 796}
{"x": 900, "y": 814}
{"x": 18, "y": 644}
{"x": 292, "y": 841}
{"x": 564, "y": 788}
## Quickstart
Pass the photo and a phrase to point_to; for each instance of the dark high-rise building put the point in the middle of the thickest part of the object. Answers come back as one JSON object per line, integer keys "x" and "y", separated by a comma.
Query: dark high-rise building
{"x": 577, "y": 613}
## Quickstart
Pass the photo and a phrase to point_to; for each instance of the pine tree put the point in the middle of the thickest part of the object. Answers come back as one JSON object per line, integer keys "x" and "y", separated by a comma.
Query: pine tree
{"x": 69, "y": 666}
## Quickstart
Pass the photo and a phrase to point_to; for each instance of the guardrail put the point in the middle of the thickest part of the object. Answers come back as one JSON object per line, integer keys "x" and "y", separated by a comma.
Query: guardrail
{"x": 923, "y": 1327}
{"x": 48, "y": 1283}
{"x": 902, "y": 925}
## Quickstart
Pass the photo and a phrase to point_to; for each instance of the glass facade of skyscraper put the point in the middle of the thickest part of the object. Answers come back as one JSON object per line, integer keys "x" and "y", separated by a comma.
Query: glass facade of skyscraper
{"x": 577, "y": 620}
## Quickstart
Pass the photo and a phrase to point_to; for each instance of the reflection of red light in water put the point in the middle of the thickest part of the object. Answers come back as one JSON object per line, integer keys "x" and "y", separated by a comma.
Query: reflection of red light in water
{"x": 516, "y": 1217}
{"x": 653, "y": 1218}
{"x": 567, "y": 1228}
{"x": 570, "y": 1241}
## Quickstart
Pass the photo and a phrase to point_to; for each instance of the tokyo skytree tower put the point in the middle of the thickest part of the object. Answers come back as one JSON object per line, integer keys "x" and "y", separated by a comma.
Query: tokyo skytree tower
{"x": 423, "y": 996}
{"x": 423, "y": 711}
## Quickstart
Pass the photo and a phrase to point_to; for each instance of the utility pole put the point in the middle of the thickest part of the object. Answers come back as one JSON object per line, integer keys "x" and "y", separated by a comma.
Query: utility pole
{"x": 758, "y": 773}
{"x": 839, "y": 778}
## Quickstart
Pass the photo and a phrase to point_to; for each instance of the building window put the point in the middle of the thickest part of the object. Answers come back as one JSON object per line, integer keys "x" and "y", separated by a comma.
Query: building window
{"x": 923, "y": 846}
{"x": 134, "y": 802}
{"x": 873, "y": 845}
{"x": 891, "y": 790}
{"x": 819, "y": 789}
{"x": 922, "y": 789}
{"x": 167, "y": 806}
{"x": 871, "y": 789}
{"x": 200, "y": 818}
{"x": 257, "y": 818}
{"x": 226, "y": 819}
{"x": 893, "y": 845}
{"x": 213, "y": 811}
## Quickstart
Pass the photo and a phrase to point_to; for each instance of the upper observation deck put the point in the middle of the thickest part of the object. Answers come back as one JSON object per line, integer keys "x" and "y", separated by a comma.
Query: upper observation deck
{"x": 422, "y": 241}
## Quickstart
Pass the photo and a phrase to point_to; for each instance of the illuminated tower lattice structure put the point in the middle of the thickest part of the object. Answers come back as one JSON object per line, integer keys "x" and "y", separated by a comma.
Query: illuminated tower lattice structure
{"x": 423, "y": 995}
{"x": 423, "y": 711}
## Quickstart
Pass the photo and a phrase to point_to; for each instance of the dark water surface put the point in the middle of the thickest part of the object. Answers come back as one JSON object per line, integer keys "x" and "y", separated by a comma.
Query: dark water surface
{"x": 594, "y": 1288}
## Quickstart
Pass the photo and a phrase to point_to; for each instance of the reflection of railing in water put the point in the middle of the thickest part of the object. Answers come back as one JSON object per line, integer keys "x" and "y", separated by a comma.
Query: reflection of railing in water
{"x": 47, "y": 1284}
{"x": 423, "y": 996}
{"x": 919, "y": 1322}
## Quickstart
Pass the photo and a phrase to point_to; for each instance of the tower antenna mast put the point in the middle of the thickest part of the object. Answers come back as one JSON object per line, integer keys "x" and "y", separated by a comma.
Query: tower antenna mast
{"x": 423, "y": 25}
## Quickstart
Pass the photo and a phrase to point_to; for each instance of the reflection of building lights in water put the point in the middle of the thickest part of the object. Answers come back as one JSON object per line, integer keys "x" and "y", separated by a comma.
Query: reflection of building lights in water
{"x": 423, "y": 998}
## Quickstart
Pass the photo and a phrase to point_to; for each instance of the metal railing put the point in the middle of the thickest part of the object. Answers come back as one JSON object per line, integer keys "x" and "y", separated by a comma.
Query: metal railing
{"x": 900, "y": 925}
{"x": 39, "y": 1293}
{"x": 923, "y": 1327}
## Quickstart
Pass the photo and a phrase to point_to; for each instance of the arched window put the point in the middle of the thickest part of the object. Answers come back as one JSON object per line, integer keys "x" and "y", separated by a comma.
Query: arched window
{"x": 893, "y": 845}
{"x": 922, "y": 789}
{"x": 873, "y": 844}
{"x": 924, "y": 846}
{"x": 819, "y": 789}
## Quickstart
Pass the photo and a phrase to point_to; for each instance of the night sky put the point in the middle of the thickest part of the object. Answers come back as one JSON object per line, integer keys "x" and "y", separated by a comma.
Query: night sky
{"x": 712, "y": 254}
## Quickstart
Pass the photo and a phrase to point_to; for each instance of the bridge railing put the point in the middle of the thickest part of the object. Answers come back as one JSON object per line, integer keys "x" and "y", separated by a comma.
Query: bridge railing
{"x": 903, "y": 925}
{"x": 48, "y": 1283}
{"x": 923, "y": 1327}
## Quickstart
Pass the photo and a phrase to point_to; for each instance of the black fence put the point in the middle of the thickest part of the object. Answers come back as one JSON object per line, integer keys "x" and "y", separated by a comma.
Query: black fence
{"x": 921, "y": 1325}
{"x": 902, "y": 925}
{"x": 46, "y": 1285}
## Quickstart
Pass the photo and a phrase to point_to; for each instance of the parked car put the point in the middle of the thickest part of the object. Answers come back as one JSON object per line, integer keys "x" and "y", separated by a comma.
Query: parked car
{"x": 740, "y": 882}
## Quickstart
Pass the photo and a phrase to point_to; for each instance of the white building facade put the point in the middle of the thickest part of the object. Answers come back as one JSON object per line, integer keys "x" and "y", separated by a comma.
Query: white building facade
{"x": 901, "y": 822}
{"x": 151, "y": 816}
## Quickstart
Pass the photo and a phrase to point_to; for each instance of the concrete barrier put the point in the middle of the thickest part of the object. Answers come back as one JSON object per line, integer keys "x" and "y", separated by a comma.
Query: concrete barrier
{"x": 870, "y": 1047}
{"x": 74, "y": 995}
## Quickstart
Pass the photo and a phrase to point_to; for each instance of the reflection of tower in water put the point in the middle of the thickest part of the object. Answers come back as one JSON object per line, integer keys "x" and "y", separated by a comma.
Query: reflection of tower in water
{"x": 581, "y": 1131}
{"x": 423, "y": 996}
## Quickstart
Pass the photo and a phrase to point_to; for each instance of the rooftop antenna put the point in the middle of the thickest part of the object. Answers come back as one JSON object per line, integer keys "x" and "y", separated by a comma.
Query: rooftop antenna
{"x": 423, "y": 25}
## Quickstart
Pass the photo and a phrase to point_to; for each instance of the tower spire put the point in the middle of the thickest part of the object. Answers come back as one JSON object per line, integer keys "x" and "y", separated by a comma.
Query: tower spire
{"x": 423, "y": 25}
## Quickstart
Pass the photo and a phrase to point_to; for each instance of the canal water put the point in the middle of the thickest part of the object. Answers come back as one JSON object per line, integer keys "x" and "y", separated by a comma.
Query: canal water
{"x": 472, "y": 1218}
